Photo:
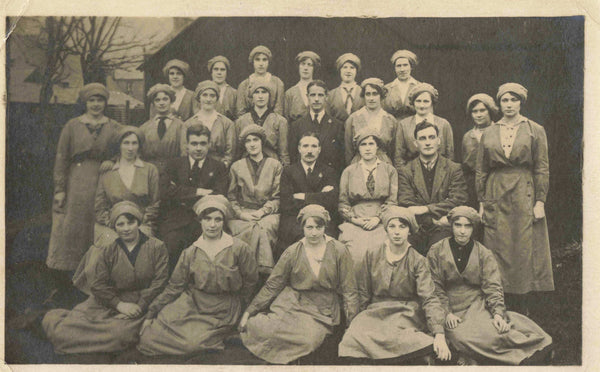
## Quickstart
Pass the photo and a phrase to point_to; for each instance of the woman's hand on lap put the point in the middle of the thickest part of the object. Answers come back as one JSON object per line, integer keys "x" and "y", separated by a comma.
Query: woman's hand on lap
{"x": 452, "y": 321}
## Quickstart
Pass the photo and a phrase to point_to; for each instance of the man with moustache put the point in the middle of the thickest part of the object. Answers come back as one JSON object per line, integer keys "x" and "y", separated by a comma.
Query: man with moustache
{"x": 186, "y": 180}
{"x": 430, "y": 186}
{"x": 306, "y": 181}
{"x": 329, "y": 129}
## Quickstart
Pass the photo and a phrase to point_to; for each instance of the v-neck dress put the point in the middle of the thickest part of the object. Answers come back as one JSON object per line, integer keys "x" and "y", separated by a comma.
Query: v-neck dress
{"x": 91, "y": 327}
{"x": 301, "y": 306}
{"x": 475, "y": 295}
{"x": 509, "y": 188}
{"x": 400, "y": 311}
{"x": 202, "y": 303}
{"x": 250, "y": 191}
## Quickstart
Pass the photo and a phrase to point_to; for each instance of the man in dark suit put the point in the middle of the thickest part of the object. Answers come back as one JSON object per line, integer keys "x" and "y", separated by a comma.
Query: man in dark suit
{"x": 186, "y": 180}
{"x": 306, "y": 181}
{"x": 430, "y": 186}
{"x": 329, "y": 130}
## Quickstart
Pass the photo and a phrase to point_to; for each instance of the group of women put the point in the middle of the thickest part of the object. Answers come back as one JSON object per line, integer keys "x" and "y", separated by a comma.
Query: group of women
{"x": 393, "y": 302}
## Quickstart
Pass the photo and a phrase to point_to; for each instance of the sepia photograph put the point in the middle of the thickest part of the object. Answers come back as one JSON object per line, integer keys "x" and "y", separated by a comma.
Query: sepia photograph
{"x": 294, "y": 190}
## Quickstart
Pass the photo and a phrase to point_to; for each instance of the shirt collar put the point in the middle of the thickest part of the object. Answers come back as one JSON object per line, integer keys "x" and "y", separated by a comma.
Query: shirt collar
{"x": 433, "y": 162}
{"x": 319, "y": 115}
{"x": 363, "y": 165}
{"x": 351, "y": 85}
{"x": 170, "y": 116}
{"x": 410, "y": 81}
{"x": 87, "y": 119}
{"x": 225, "y": 241}
{"x": 305, "y": 166}
{"x": 520, "y": 119}
{"x": 192, "y": 161}
{"x": 137, "y": 163}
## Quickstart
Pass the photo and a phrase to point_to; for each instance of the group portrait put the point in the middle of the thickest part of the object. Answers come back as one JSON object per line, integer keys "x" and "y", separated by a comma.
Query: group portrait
{"x": 294, "y": 191}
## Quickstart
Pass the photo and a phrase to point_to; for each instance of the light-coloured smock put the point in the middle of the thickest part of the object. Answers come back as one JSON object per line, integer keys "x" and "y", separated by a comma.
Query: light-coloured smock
{"x": 399, "y": 308}
{"x": 384, "y": 123}
{"x": 305, "y": 305}
{"x": 203, "y": 301}
{"x": 475, "y": 295}
{"x": 92, "y": 326}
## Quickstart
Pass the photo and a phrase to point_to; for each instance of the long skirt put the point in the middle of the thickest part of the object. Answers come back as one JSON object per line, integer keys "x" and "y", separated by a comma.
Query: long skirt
{"x": 73, "y": 227}
{"x": 260, "y": 235}
{"x": 477, "y": 336}
{"x": 293, "y": 327}
{"x": 519, "y": 243}
{"x": 388, "y": 329}
{"x": 90, "y": 328}
{"x": 184, "y": 326}
{"x": 358, "y": 240}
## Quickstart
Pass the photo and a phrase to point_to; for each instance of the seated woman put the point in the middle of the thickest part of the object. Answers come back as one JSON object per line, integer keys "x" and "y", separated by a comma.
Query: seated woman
{"x": 210, "y": 286}
{"x": 372, "y": 115}
{"x": 397, "y": 299}
{"x": 130, "y": 272}
{"x": 131, "y": 179}
{"x": 301, "y": 295}
{"x": 367, "y": 188}
{"x": 469, "y": 285}
{"x": 254, "y": 195}
{"x": 222, "y": 129}
{"x": 260, "y": 57}
{"x": 262, "y": 114}
{"x": 163, "y": 131}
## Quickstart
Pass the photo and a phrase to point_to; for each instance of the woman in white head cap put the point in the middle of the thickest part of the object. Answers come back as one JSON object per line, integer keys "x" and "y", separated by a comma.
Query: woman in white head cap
{"x": 396, "y": 102}
{"x": 303, "y": 299}
{"x": 371, "y": 115}
{"x": 401, "y": 318}
{"x": 260, "y": 58}
{"x": 219, "y": 68}
{"x": 176, "y": 71}
{"x": 345, "y": 99}
{"x": 130, "y": 272}
{"x": 83, "y": 145}
{"x": 296, "y": 98}
{"x": 210, "y": 286}
{"x": 512, "y": 179}
{"x": 469, "y": 285}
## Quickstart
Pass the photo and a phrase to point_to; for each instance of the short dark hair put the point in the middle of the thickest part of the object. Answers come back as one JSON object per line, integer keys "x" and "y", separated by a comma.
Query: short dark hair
{"x": 382, "y": 91}
{"x": 197, "y": 130}
{"x": 309, "y": 133}
{"x": 210, "y": 210}
{"x": 318, "y": 83}
{"x": 377, "y": 140}
{"x": 318, "y": 220}
{"x": 424, "y": 125}
{"x": 130, "y": 217}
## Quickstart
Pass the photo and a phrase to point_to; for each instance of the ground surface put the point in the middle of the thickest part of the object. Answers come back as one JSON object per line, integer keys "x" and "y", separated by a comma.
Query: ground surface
{"x": 27, "y": 285}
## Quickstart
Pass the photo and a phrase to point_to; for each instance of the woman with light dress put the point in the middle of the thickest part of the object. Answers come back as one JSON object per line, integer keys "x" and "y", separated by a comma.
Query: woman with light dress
{"x": 254, "y": 195}
{"x": 130, "y": 272}
{"x": 372, "y": 115}
{"x": 401, "y": 318}
{"x": 210, "y": 286}
{"x": 469, "y": 286}
{"x": 367, "y": 188}
{"x": 396, "y": 101}
{"x": 219, "y": 67}
{"x": 345, "y": 99}
{"x": 303, "y": 299}
{"x": 296, "y": 98}
{"x": 183, "y": 107}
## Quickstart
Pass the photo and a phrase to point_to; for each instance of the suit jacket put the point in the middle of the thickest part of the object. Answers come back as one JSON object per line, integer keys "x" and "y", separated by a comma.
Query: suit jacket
{"x": 294, "y": 180}
{"x": 331, "y": 136}
{"x": 178, "y": 192}
{"x": 449, "y": 189}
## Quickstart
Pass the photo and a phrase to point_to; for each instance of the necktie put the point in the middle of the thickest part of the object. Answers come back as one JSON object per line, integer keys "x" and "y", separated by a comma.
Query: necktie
{"x": 162, "y": 127}
{"x": 348, "y": 100}
{"x": 195, "y": 172}
{"x": 94, "y": 129}
{"x": 316, "y": 119}
{"x": 309, "y": 172}
{"x": 371, "y": 182}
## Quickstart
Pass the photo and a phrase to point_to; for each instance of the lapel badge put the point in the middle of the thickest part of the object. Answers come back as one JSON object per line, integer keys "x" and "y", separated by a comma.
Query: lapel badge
{"x": 210, "y": 174}
{"x": 320, "y": 175}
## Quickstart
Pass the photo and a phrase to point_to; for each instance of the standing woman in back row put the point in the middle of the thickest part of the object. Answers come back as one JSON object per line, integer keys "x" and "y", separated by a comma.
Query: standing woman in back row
{"x": 396, "y": 102}
{"x": 82, "y": 147}
{"x": 296, "y": 98}
{"x": 219, "y": 67}
{"x": 512, "y": 183}
{"x": 260, "y": 58}
{"x": 183, "y": 106}
{"x": 345, "y": 99}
